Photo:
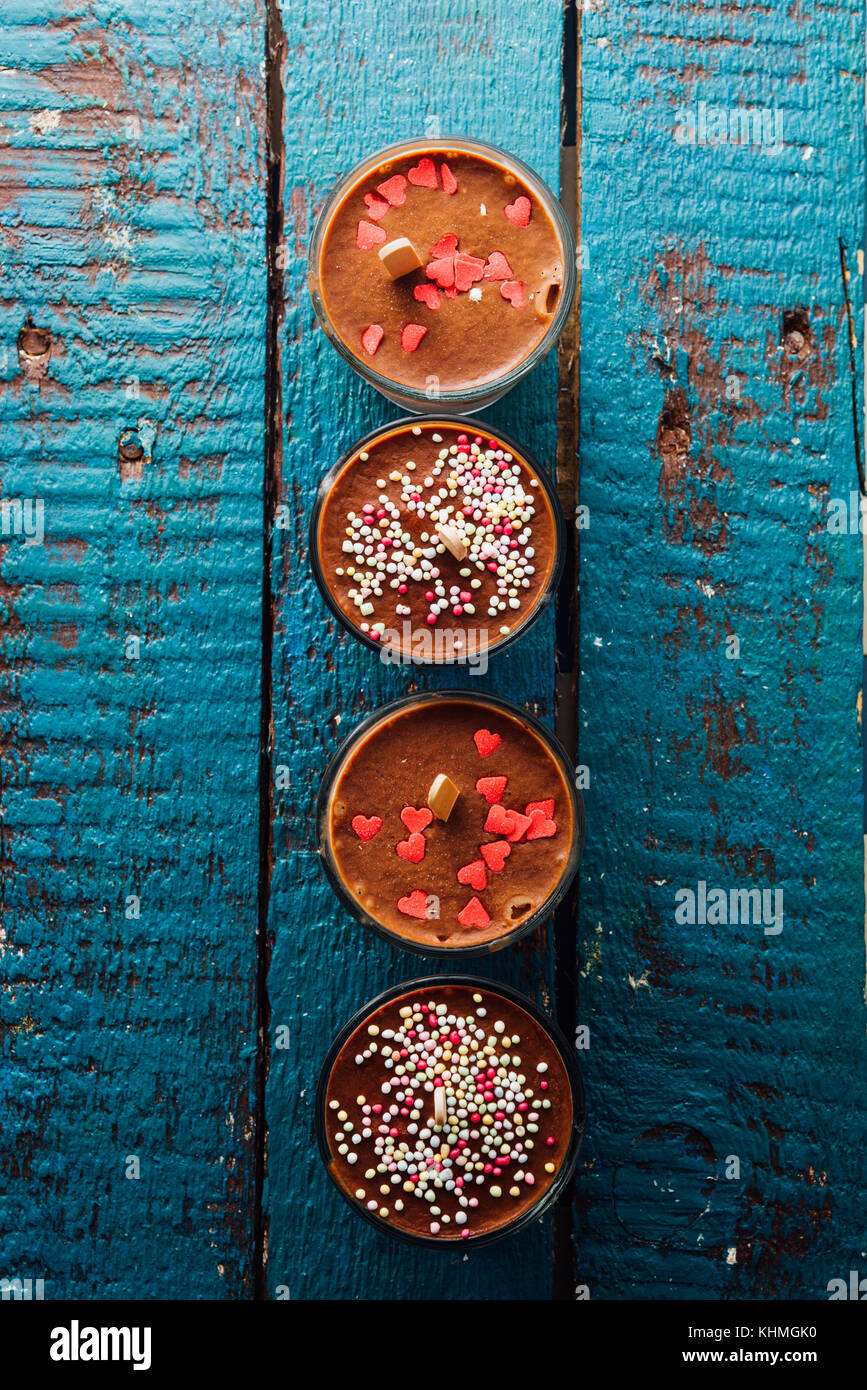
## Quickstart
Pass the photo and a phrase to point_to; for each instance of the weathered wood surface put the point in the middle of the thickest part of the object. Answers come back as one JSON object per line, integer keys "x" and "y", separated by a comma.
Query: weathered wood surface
{"x": 716, "y": 426}
{"x": 359, "y": 76}
{"x": 131, "y": 227}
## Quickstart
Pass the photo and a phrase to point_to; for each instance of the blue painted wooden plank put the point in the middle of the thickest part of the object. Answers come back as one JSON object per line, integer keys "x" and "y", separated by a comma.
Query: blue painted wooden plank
{"x": 125, "y": 1035}
{"x": 356, "y": 77}
{"x": 726, "y": 1071}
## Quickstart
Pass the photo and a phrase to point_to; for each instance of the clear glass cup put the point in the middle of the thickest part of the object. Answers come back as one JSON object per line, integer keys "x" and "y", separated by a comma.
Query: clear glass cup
{"x": 427, "y": 987}
{"x": 437, "y": 646}
{"x": 430, "y": 946}
{"x": 476, "y": 397}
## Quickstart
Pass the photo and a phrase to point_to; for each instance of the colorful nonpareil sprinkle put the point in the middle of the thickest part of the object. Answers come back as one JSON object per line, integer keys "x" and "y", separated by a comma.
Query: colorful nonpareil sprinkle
{"x": 446, "y": 1129}
{"x": 475, "y": 501}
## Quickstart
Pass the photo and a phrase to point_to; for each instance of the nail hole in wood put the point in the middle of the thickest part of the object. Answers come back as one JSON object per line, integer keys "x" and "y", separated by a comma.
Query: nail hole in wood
{"x": 796, "y": 335}
{"x": 34, "y": 350}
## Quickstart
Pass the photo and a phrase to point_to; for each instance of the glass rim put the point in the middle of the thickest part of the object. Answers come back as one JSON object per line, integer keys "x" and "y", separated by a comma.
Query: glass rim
{"x": 576, "y": 1084}
{"x": 464, "y": 395}
{"x": 522, "y": 929}
{"x": 408, "y": 422}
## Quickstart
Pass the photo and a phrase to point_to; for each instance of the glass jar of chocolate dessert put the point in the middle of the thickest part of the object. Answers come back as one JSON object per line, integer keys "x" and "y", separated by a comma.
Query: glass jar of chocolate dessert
{"x": 450, "y": 1111}
{"x": 435, "y": 544}
{"x": 450, "y": 823}
{"x": 442, "y": 271}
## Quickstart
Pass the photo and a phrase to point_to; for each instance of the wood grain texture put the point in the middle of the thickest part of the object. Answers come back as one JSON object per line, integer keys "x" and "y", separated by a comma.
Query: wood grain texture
{"x": 716, "y": 426}
{"x": 131, "y": 228}
{"x": 358, "y": 76}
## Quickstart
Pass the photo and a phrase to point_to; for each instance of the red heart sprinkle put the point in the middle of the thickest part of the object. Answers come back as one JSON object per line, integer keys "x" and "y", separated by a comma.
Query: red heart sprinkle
{"x": 495, "y": 854}
{"x": 411, "y": 849}
{"x": 427, "y": 294}
{"x": 521, "y": 824}
{"x": 443, "y": 271}
{"x": 541, "y": 827}
{"x": 451, "y": 293}
{"x": 446, "y": 246}
{"x": 372, "y": 337}
{"x": 497, "y": 267}
{"x": 468, "y": 269}
{"x": 499, "y": 820}
{"x": 416, "y": 820}
{"x": 546, "y": 807}
{"x": 394, "y": 191}
{"x": 424, "y": 175}
{"x": 366, "y": 827}
{"x": 376, "y": 207}
{"x": 414, "y": 906}
{"x": 367, "y": 236}
{"x": 517, "y": 212}
{"x": 513, "y": 290}
{"x": 492, "y": 788}
{"x": 450, "y": 183}
{"x": 486, "y": 742}
{"x": 411, "y": 335}
{"x": 473, "y": 915}
{"x": 474, "y": 875}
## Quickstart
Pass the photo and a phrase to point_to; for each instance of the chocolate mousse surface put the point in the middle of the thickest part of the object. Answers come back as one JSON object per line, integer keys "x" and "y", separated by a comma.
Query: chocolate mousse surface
{"x": 436, "y": 540}
{"x": 479, "y": 1156}
{"x": 489, "y": 281}
{"x": 492, "y": 865}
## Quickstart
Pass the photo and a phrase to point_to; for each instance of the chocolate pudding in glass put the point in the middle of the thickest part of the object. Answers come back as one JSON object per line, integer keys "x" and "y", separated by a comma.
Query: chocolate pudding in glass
{"x": 450, "y": 823}
{"x": 436, "y": 544}
{"x": 450, "y": 1111}
{"x": 442, "y": 271}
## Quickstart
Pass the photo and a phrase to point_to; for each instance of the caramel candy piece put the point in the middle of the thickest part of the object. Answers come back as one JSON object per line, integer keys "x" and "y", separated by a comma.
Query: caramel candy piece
{"x": 442, "y": 796}
{"x": 453, "y": 541}
{"x": 399, "y": 257}
{"x": 439, "y": 1107}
